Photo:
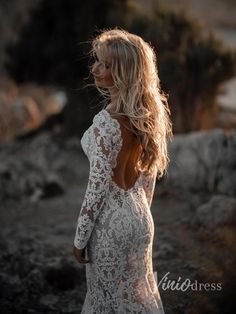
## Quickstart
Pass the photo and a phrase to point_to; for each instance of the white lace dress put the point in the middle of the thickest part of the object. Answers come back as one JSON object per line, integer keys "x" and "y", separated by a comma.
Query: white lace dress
{"x": 116, "y": 227}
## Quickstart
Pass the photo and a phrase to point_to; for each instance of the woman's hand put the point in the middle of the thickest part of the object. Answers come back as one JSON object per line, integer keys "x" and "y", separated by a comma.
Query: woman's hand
{"x": 80, "y": 255}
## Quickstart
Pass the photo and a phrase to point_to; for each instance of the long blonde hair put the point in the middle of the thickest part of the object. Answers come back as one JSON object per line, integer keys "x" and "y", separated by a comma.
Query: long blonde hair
{"x": 134, "y": 71}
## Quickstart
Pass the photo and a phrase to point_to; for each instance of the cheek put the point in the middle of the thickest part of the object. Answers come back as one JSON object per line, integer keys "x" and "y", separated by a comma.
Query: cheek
{"x": 109, "y": 79}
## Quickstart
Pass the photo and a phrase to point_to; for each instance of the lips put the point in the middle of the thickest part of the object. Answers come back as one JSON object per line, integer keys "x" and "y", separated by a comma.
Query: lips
{"x": 97, "y": 78}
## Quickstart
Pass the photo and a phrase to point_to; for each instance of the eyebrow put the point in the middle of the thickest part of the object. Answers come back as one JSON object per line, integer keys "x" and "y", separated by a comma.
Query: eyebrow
{"x": 96, "y": 56}
{"x": 105, "y": 62}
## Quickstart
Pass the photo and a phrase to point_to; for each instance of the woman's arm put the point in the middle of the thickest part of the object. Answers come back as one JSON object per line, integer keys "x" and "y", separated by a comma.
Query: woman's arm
{"x": 149, "y": 183}
{"x": 98, "y": 184}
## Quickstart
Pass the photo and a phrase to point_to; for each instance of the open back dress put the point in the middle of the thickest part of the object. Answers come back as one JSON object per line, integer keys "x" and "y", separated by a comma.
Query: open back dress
{"x": 117, "y": 229}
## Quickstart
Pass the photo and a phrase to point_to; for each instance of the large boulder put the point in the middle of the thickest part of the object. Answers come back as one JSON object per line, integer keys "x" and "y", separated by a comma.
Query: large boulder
{"x": 26, "y": 107}
{"x": 203, "y": 161}
{"x": 219, "y": 211}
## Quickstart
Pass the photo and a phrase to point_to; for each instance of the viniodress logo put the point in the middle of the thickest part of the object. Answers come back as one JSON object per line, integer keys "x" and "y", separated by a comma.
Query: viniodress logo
{"x": 184, "y": 284}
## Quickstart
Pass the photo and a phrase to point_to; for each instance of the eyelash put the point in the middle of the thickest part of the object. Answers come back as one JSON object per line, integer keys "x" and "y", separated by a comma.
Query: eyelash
{"x": 97, "y": 60}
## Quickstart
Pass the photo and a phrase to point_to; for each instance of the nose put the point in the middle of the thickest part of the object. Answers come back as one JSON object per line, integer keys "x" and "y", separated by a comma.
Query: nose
{"x": 95, "y": 68}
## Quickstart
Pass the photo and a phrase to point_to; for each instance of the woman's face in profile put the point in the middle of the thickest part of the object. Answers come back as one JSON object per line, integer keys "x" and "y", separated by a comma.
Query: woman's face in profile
{"x": 101, "y": 71}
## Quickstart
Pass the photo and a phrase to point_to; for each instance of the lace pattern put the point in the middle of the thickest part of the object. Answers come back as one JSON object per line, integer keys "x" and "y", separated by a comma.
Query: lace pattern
{"x": 102, "y": 149}
{"x": 117, "y": 229}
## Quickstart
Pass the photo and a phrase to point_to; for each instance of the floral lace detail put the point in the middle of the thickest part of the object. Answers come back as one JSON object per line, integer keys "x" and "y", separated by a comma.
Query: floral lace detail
{"x": 117, "y": 229}
{"x": 104, "y": 143}
{"x": 148, "y": 184}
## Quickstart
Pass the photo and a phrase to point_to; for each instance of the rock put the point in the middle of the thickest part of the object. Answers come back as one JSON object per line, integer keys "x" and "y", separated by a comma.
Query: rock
{"x": 52, "y": 186}
{"x": 26, "y": 108}
{"x": 49, "y": 300}
{"x": 49, "y": 101}
{"x": 8, "y": 88}
{"x": 11, "y": 183}
{"x": 164, "y": 250}
{"x": 34, "y": 282}
{"x": 18, "y": 116}
{"x": 219, "y": 211}
{"x": 42, "y": 185}
{"x": 28, "y": 175}
{"x": 40, "y": 280}
{"x": 11, "y": 288}
{"x": 63, "y": 275}
{"x": 203, "y": 161}
{"x": 5, "y": 172}
{"x": 226, "y": 99}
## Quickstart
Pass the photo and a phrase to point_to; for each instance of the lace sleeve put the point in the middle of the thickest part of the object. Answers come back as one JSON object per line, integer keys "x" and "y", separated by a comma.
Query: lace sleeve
{"x": 149, "y": 186}
{"x": 98, "y": 184}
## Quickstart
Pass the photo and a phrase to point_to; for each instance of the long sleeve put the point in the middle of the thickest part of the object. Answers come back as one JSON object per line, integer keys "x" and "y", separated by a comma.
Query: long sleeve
{"x": 149, "y": 184}
{"x": 98, "y": 183}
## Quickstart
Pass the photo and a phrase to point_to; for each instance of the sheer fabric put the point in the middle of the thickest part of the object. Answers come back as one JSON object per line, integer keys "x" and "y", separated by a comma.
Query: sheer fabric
{"x": 116, "y": 227}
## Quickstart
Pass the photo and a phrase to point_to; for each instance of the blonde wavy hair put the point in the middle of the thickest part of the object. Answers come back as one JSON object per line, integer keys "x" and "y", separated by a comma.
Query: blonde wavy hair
{"x": 134, "y": 70}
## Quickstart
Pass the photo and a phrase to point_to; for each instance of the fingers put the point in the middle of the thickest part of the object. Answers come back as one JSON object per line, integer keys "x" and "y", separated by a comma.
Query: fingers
{"x": 80, "y": 255}
{"x": 83, "y": 261}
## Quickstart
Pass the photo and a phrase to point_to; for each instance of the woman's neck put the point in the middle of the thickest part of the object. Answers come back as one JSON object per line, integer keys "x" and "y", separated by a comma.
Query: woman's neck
{"x": 114, "y": 96}
{"x": 111, "y": 107}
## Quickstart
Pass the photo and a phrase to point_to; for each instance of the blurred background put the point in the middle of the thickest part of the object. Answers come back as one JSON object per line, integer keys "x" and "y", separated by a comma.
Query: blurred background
{"x": 45, "y": 107}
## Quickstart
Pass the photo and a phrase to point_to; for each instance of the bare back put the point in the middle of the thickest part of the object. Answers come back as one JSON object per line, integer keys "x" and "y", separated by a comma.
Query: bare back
{"x": 125, "y": 173}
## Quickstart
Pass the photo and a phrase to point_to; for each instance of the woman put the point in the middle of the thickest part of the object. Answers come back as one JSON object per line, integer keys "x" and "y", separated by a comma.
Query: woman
{"x": 127, "y": 149}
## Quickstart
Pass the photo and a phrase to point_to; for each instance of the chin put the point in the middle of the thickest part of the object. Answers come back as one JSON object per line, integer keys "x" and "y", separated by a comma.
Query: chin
{"x": 99, "y": 84}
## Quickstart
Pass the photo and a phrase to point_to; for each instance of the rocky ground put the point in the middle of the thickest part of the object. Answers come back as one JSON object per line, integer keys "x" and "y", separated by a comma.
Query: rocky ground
{"x": 43, "y": 180}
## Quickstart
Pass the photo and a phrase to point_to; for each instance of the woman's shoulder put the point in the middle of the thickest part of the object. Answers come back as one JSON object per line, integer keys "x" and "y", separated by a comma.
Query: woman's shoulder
{"x": 103, "y": 118}
{"x": 122, "y": 120}
{"x": 107, "y": 123}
